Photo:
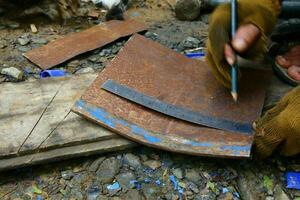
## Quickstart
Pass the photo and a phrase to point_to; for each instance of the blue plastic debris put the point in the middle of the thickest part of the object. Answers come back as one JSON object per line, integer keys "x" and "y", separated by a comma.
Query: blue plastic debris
{"x": 236, "y": 194}
{"x": 39, "y": 197}
{"x": 52, "y": 73}
{"x": 224, "y": 190}
{"x": 114, "y": 186}
{"x": 157, "y": 182}
{"x": 136, "y": 184}
{"x": 174, "y": 182}
{"x": 195, "y": 55}
{"x": 147, "y": 180}
{"x": 293, "y": 180}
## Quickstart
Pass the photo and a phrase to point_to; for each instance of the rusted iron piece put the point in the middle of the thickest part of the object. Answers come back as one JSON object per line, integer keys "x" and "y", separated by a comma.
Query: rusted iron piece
{"x": 63, "y": 49}
{"x": 159, "y": 72}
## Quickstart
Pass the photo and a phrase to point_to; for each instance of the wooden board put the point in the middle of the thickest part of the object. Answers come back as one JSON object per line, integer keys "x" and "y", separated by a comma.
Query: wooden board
{"x": 35, "y": 120}
{"x": 173, "y": 78}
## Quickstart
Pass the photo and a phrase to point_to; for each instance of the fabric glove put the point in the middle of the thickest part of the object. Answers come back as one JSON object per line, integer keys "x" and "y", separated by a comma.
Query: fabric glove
{"x": 261, "y": 13}
{"x": 280, "y": 127}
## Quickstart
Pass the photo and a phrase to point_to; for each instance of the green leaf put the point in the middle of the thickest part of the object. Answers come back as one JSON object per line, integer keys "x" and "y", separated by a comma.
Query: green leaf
{"x": 212, "y": 186}
{"x": 36, "y": 190}
{"x": 268, "y": 183}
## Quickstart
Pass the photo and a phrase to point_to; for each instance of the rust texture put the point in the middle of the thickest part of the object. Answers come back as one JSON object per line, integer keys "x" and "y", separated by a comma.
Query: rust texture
{"x": 63, "y": 49}
{"x": 157, "y": 71}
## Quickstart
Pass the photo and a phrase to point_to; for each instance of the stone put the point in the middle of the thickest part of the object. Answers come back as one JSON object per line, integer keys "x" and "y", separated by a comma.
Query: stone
{"x": 76, "y": 194}
{"x": 279, "y": 193}
{"x": 193, "y": 187}
{"x": 187, "y": 9}
{"x": 124, "y": 180}
{"x": 192, "y": 175}
{"x": 248, "y": 185}
{"x": 189, "y": 43}
{"x": 108, "y": 169}
{"x": 39, "y": 41}
{"x": 13, "y": 73}
{"x": 178, "y": 173}
{"x": 14, "y": 25}
{"x": 95, "y": 165}
{"x": 132, "y": 160}
{"x": 153, "y": 164}
{"x": 93, "y": 193}
{"x": 23, "y": 41}
{"x": 23, "y": 49}
{"x": 133, "y": 194}
{"x": 33, "y": 28}
{"x": 151, "y": 191}
{"x": 67, "y": 175}
{"x": 85, "y": 70}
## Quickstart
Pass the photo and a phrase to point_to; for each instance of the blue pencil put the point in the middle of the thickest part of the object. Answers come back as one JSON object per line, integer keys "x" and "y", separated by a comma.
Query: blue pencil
{"x": 234, "y": 70}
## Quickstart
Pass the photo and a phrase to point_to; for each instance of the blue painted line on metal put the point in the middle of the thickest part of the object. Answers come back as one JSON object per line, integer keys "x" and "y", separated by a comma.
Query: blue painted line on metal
{"x": 112, "y": 122}
{"x": 176, "y": 111}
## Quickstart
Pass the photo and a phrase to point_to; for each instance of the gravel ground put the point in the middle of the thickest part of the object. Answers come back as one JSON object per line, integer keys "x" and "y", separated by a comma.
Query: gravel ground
{"x": 141, "y": 173}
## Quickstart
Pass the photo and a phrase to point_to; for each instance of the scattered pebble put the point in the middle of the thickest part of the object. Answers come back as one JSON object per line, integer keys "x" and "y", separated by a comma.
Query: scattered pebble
{"x": 12, "y": 72}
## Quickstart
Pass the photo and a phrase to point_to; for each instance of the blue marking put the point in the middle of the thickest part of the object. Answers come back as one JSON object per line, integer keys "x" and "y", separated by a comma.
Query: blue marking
{"x": 198, "y": 144}
{"x": 110, "y": 121}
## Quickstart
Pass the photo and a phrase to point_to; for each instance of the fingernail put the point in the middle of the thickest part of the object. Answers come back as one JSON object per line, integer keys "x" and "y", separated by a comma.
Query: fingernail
{"x": 240, "y": 44}
{"x": 229, "y": 60}
{"x": 281, "y": 60}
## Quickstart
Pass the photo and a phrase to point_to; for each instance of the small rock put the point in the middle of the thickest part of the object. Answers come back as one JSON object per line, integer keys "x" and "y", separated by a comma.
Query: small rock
{"x": 85, "y": 70}
{"x": 23, "y": 41}
{"x": 132, "y": 160}
{"x": 187, "y": 10}
{"x": 193, "y": 175}
{"x": 39, "y": 41}
{"x": 23, "y": 49}
{"x": 178, "y": 173}
{"x": 108, "y": 169}
{"x": 14, "y": 25}
{"x": 189, "y": 43}
{"x": 279, "y": 193}
{"x": 33, "y": 28}
{"x": 153, "y": 164}
{"x": 133, "y": 194}
{"x": 124, "y": 180}
{"x": 193, "y": 187}
{"x": 270, "y": 198}
{"x": 12, "y": 72}
{"x": 151, "y": 192}
{"x": 67, "y": 175}
{"x": 93, "y": 193}
{"x": 76, "y": 194}
{"x": 95, "y": 165}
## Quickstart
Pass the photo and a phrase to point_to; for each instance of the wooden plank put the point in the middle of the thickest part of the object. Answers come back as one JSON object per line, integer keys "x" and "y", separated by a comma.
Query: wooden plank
{"x": 21, "y": 106}
{"x": 66, "y": 153}
{"x": 57, "y": 111}
{"x": 75, "y": 130}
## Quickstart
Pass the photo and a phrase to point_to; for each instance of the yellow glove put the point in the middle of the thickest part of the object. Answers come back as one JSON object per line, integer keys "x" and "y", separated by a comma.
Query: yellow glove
{"x": 280, "y": 126}
{"x": 261, "y": 13}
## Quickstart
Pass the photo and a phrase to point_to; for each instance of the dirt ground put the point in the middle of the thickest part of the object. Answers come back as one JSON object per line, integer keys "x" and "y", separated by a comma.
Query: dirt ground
{"x": 143, "y": 173}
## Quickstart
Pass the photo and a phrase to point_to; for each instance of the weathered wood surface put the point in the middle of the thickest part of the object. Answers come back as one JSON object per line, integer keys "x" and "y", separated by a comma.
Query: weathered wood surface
{"x": 36, "y": 124}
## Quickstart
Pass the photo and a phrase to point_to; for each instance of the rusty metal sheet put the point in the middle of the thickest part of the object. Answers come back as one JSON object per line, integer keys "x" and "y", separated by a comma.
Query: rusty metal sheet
{"x": 157, "y": 71}
{"x": 63, "y": 49}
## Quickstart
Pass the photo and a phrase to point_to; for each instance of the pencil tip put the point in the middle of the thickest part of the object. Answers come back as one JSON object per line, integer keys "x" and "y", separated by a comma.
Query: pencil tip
{"x": 234, "y": 96}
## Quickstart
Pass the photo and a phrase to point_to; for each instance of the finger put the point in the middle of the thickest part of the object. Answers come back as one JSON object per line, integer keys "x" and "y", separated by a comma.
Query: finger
{"x": 245, "y": 37}
{"x": 294, "y": 72}
{"x": 282, "y": 61}
{"x": 229, "y": 54}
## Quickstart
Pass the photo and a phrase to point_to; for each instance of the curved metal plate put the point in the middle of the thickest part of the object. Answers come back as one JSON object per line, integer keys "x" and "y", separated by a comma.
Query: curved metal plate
{"x": 159, "y": 72}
